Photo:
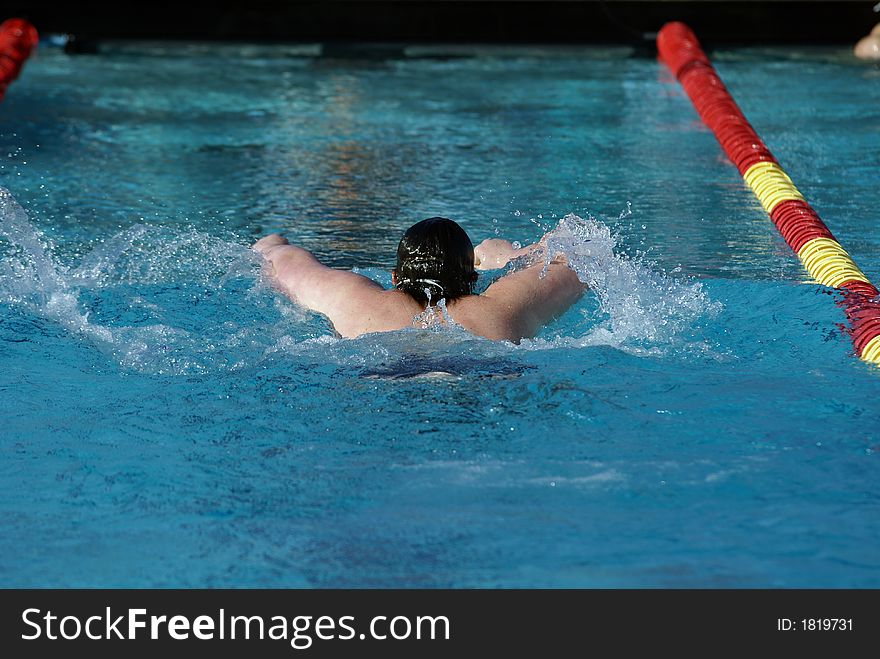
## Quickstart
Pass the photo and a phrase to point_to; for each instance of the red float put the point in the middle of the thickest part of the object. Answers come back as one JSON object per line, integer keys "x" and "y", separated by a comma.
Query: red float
{"x": 796, "y": 221}
{"x": 18, "y": 38}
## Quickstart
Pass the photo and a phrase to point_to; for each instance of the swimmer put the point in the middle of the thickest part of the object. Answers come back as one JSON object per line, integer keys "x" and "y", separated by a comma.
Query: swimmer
{"x": 869, "y": 47}
{"x": 435, "y": 260}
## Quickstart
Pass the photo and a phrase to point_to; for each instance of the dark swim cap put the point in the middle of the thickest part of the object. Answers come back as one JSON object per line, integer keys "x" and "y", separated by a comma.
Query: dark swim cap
{"x": 436, "y": 254}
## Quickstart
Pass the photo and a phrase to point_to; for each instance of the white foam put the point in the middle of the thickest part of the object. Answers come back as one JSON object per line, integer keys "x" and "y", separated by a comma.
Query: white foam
{"x": 640, "y": 310}
{"x": 31, "y": 278}
{"x": 643, "y": 308}
{"x": 150, "y": 254}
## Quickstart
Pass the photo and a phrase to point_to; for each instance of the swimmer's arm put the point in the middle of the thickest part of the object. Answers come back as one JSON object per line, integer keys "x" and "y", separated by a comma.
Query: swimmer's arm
{"x": 307, "y": 281}
{"x": 527, "y": 301}
{"x": 495, "y": 253}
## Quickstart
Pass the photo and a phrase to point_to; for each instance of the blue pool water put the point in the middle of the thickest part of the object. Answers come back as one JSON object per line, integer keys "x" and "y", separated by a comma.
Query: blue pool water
{"x": 697, "y": 420}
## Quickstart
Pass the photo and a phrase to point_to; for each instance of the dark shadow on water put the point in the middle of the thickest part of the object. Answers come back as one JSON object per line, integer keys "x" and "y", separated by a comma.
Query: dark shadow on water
{"x": 433, "y": 367}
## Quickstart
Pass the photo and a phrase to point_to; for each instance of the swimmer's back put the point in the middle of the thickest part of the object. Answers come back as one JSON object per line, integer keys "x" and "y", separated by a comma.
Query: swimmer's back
{"x": 512, "y": 308}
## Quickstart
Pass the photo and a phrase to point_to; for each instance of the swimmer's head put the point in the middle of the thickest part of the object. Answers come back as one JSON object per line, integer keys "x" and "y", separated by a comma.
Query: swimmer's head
{"x": 436, "y": 254}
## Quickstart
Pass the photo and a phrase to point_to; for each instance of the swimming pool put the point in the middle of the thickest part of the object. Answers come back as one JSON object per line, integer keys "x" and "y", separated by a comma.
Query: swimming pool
{"x": 168, "y": 420}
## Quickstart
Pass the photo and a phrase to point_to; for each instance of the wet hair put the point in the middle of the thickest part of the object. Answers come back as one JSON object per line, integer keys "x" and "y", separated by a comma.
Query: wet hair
{"x": 436, "y": 254}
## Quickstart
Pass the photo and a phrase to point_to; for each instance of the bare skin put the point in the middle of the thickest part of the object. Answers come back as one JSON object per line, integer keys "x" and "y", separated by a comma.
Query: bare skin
{"x": 512, "y": 308}
{"x": 868, "y": 47}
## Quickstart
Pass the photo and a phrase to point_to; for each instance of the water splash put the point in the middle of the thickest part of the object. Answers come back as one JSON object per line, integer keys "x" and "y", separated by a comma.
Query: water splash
{"x": 435, "y": 316}
{"x": 428, "y": 318}
{"x": 33, "y": 280}
{"x": 168, "y": 300}
{"x": 151, "y": 254}
{"x": 639, "y": 307}
{"x": 30, "y": 278}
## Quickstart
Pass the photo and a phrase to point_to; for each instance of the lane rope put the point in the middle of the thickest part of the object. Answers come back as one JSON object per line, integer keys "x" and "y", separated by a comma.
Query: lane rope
{"x": 827, "y": 262}
{"x": 18, "y": 38}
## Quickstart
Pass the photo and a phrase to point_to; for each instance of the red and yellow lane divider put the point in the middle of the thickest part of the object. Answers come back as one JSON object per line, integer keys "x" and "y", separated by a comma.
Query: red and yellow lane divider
{"x": 17, "y": 39}
{"x": 823, "y": 257}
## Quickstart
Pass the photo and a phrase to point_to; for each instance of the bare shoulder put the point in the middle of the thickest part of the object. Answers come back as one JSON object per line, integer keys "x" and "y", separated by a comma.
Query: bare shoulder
{"x": 518, "y": 289}
{"x": 519, "y": 303}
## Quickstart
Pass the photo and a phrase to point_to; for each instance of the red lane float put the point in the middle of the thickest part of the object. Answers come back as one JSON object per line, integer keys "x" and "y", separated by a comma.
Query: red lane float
{"x": 18, "y": 38}
{"x": 820, "y": 253}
